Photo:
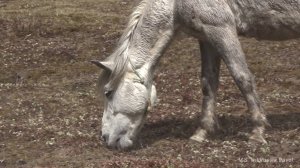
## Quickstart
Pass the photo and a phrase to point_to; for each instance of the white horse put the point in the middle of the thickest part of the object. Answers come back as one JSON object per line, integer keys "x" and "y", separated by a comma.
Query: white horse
{"x": 127, "y": 79}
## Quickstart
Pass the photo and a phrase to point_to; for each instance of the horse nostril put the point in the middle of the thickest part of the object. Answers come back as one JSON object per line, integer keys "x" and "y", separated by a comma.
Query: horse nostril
{"x": 105, "y": 137}
{"x": 118, "y": 144}
{"x": 118, "y": 140}
{"x": 123, "y": 132}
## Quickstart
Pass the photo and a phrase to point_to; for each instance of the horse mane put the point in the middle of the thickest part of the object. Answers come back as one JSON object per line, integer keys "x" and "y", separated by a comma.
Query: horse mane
{"x": 120, "y": 57}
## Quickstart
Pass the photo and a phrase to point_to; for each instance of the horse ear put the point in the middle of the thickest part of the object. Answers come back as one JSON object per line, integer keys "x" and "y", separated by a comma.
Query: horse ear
{"x": 108, "y": 66}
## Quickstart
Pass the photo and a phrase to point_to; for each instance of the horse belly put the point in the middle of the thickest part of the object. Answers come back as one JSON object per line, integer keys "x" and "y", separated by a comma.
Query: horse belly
{"x": 275, "y": 28}
{"x": 270, "y": 20}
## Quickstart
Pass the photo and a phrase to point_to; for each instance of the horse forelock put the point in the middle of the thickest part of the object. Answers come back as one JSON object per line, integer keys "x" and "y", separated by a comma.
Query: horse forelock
{"x": 120, "y": 56}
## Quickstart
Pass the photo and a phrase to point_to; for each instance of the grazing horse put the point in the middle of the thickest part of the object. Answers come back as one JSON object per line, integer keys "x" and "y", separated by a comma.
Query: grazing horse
{"x": 127, "y": 77}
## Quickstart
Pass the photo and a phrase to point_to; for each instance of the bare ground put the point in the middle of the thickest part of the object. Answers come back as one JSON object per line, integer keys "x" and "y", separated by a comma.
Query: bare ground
{"x": 50, "y": 115}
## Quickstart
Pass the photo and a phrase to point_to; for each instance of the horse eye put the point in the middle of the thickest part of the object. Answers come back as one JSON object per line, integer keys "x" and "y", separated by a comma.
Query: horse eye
{"x": 108, "y": 93}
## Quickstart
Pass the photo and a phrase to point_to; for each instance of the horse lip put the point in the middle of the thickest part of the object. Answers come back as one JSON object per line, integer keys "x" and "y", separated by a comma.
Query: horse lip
{"x": 105, "y": 138}
{"x": 124, "y": 143}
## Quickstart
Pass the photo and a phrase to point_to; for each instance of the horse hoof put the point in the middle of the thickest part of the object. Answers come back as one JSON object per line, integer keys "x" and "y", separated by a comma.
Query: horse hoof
{"x": 199, "y": 136}
{"x": 257, "y": 139}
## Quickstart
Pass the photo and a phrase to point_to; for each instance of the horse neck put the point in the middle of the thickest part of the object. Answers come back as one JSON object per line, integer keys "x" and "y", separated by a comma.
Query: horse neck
{"x": 151, "y": 36}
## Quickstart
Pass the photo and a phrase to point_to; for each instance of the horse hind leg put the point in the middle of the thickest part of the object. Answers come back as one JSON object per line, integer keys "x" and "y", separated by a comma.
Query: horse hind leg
{"x": 210, "y": 81}
{"x": 233, "y": 56}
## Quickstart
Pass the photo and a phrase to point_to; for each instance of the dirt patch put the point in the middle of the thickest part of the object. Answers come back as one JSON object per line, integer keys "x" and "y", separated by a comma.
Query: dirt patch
{"x": 50, "y": 115}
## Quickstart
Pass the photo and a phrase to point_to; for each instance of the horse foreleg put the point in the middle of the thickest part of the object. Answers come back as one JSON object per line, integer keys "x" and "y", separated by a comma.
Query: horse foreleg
{"x": 210, "y": 81}
{"x": 228, "y": 45}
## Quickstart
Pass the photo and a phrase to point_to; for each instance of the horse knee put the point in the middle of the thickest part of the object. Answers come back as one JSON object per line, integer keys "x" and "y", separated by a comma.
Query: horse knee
{"x": 245, "y": 81}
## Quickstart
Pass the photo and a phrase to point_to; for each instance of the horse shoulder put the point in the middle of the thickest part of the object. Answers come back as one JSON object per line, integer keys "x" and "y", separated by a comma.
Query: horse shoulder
{"x": 199, "y": 16}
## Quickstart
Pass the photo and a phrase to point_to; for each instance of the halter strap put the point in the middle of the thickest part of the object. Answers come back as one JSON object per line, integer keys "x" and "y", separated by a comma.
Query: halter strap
{"x": 142, "y": 80}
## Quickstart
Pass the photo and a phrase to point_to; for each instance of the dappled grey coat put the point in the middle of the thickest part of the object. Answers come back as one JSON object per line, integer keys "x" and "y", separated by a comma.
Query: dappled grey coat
{"x": 127, "y": 80}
